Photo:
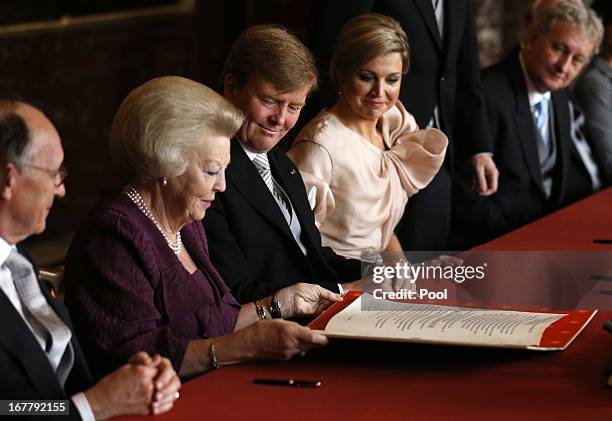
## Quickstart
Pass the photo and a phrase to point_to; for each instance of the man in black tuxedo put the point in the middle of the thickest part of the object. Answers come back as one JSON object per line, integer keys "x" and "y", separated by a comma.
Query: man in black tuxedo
{"x": 442, "y": 88}
{"x": 530, "y": 122}
{"x": 40, "y": 357}
{"x": 261, "y": 230}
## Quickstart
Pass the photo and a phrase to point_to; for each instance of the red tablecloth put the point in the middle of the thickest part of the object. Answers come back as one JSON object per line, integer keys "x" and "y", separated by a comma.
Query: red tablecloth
{"x": 367, "y": 380}
{"x": 572, "y": 228}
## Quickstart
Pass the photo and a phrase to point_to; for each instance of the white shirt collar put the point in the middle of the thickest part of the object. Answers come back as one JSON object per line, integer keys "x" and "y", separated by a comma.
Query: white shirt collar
{"x": 5, "y": 250}
{"x": 249, "y": 152}
{"x": 532, "y": 93}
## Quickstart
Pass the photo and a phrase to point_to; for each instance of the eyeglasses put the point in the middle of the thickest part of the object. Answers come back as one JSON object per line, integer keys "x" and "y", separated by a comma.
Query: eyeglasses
{"x": 59, "y": 174}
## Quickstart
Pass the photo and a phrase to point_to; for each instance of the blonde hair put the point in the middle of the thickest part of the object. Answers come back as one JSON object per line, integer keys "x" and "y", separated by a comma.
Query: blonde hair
{"x": 272, "y": 52}
{"x": 364, "y": 38}
{"x": 162, "y": 121}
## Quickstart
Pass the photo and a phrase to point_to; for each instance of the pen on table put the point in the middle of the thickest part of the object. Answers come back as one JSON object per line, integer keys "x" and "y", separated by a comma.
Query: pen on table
{"x": 602, "y": 241}
{"x": 288, "y": 382}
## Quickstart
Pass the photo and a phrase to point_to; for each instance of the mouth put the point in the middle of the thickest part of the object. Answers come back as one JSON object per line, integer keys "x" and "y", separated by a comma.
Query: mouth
{"x": 268, "y": 131}
{"x": 557, "y": 76}
{"x": 375, "y": 103}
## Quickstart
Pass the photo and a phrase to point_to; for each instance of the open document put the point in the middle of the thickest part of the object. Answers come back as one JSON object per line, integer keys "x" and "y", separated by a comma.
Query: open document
{"x": 361, "y": 316}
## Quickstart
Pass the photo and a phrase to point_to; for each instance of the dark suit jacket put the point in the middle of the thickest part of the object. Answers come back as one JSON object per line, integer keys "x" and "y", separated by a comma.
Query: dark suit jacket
{"x": 444, "y": 72}
{"x": 250, "y": 242}
{"x": 25, "y": 369}
{"x": 520, "y": 198}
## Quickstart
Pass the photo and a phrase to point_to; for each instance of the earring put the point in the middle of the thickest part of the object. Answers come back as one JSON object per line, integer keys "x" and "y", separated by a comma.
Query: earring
{"x": 164, "y": 181}
{"x": 340, "y": 91}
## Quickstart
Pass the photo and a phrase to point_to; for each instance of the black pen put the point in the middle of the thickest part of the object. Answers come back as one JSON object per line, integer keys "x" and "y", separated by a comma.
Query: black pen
{"x": 602, "y": 241}
{"x": 288, "y": 382}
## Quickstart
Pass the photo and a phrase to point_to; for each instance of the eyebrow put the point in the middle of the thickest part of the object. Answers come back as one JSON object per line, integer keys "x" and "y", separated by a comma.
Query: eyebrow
{"x": 213, "y": 162}
{"x": 373, "y": 72}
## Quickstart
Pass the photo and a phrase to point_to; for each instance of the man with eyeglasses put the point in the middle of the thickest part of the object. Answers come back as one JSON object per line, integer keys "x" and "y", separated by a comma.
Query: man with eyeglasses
{"x": 39, "y": 355}
{"x": 31, "y": 204}
{"x": 59, "y": 174}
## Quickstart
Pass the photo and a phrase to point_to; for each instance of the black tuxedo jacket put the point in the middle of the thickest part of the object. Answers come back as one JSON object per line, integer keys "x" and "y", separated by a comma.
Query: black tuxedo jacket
{"x": 24, "y": 367}
{"x": 520, "y": 198}
{"x": 250, "y": 242}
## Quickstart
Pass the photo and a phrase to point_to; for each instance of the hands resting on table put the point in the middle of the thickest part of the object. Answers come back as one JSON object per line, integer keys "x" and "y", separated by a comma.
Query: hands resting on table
{"x": 143, "y": 386}
{"x": 255, "y": 339}
{"x": 280, "y": 339}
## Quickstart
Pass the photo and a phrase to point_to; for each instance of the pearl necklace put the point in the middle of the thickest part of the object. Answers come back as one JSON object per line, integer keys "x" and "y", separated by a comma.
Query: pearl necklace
{"x": 134, "y": 195}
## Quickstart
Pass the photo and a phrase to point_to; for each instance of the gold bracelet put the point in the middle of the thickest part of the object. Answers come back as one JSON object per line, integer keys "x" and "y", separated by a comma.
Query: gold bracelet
{"x": 261, "y": 312}
{"x": 213, "y": 355}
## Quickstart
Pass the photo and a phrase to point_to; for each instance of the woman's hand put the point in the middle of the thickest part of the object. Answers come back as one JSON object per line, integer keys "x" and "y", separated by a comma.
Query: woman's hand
{"x": 268, "y": 339}
{"x": 305, "y": 299}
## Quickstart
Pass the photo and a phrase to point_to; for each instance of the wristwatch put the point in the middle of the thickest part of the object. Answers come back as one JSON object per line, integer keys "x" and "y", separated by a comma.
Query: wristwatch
{"x": 275, "y": 308}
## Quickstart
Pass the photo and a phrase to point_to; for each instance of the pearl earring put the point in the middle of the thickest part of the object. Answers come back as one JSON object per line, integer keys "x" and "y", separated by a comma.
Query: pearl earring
{"x": 164, "y": 181}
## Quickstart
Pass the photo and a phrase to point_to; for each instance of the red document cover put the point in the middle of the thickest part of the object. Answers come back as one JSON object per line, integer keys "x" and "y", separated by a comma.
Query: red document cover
{"x": 557, "y": 336}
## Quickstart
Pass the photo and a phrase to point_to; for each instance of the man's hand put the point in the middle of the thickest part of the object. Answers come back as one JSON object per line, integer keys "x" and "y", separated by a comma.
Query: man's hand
{"x": 485, "y": 174}
{"x": 304, "y": 299}
{"x": 126, "y": 391}
{"x": 167, "y": 382}
{"x": 143, "y": 386}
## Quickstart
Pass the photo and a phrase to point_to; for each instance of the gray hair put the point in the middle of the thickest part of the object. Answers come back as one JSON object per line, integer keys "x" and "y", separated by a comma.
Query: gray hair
{"x": 15, "y": 139}
{"x": 569, "y": 11}
{"x": 160, "y": 123}
{"x": 364, "y": 38}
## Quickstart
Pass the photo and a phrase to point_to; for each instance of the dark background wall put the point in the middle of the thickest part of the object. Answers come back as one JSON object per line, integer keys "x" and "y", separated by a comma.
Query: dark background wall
{"x": 77, "y": 59}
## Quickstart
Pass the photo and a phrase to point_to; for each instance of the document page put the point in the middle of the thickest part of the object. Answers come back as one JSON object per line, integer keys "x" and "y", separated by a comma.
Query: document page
{"x": 369, "y": 317}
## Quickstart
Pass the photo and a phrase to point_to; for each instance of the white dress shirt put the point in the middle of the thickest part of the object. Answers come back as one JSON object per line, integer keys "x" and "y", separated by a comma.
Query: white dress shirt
{"x": 8, "y": 288}
{"x": 533, "y": 95}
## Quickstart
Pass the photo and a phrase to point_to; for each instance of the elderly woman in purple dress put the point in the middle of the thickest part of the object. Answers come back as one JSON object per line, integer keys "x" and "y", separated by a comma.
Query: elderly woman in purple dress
{"x": 138, "y": 274}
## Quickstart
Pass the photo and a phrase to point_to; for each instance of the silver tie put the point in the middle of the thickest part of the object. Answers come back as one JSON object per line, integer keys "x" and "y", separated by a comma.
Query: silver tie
{"x": 263, "y": 167}
{"x": 43, "y": 320}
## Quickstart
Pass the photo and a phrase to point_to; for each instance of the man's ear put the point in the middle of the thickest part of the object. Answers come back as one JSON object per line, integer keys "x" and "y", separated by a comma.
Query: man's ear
{"x": 7, "y": 180}
{"x": 529, "y": 39}
{"x": 229, "y": 84}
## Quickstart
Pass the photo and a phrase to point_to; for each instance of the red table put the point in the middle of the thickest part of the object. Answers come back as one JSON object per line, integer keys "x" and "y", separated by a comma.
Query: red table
{"x": 366, "y": 380}
{"x": 572, "y": 228}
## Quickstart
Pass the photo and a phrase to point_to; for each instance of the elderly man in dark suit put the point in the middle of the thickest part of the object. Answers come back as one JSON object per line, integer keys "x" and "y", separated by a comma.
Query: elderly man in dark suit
{"x": 593, "y": 94}
{"x": 39, "y": 355}
{"x": 261, "y": 230}
{"x": 530, "y": 122}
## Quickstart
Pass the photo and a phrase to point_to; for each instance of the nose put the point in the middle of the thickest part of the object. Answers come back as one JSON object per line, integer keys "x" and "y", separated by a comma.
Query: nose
{"x": 60, "y": 191}
{"x": 564, "y": 63}
{"x": 378, "y": 88}
{"x": 219, "y": 185}
{"x": 278, "y": 116}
